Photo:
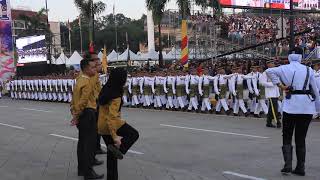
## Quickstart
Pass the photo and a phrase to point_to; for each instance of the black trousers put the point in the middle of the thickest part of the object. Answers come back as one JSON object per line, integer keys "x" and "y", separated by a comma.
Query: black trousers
{"x": 130, "y": 136}
{"x": 273, "y": 111}
{"x": 98, "y": 145}
{"x": 298, "y": 123}
{"x": 87, "y": 140}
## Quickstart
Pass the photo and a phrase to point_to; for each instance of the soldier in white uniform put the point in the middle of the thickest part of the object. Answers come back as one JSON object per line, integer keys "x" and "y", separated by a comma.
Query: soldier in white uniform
{"x": 71, "y": 83}
{"x": 220, "y": 88}
{"x": 192, "y": 90}
{"x": 59, "y": 89}
{"x": 127, "y": 91}
{"x": 41, "y": 90}
{"x": 272, "y": 94}
{"x": 170, "y": 90}
{"x": 204, "y": 90}
{"x": 46, "y": 88}
{"x": 300, "y": 104}
{"x": 36, "y": 88}
{"x": 259, "y": 90}
{"x": 65, "y": 89}
{"x": 250, "y": 84}
{"x": 238, "y": 90}
{"x": 181, "y": 90}
{"x": 135, "y": 90}
{"x": 24, "y": 89}
{"x": 160, "y": 82}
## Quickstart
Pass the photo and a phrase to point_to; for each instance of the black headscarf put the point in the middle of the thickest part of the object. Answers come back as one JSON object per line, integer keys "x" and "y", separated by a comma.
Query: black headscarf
{"x": 114, "y": 87}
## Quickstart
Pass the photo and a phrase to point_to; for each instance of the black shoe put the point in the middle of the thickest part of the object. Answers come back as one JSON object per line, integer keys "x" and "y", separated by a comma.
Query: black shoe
{"x": 301, "y": 156}
{"x": 257, "y": 116}
{"x": 101, "y": 151}
{"x": 218, "y": 112}
{"x": 246, "y": 114}
{"x": 97, "y": 162}
{"x": 279, "y": 125}
{"x": 228, "y": 112}
{"x": 93, "y": 175}
{"x": 234, "y": 114}
{"x": 270, "y": 126}
{"x": 115, "y": 151}
{"x": 287, "y": 156}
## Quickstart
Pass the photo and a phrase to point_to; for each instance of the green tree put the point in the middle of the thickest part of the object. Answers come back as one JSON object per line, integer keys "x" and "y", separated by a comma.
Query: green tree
{"x": 36, "y": 24}
{"x": 158, "y": 7}
{"x": 89, "y": 10}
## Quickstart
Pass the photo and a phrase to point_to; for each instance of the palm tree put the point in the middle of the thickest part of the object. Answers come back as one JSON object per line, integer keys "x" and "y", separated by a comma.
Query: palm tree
{"x": 35, "y": 24}
{"x": 158, "y": 7}
{"x": 89, "y": 10}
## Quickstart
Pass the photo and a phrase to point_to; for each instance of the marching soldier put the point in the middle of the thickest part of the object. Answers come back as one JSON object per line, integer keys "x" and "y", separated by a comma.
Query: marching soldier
{"x": 127, "y": 91}
{"x": 192, "y": 90}
{"x": 220, "y": 87}
{"x": 170, "y": 90}
{"x": 181, "y": 90}
{"x": 160, "y": 82}
{"x": 238, "y": 90}
{"x": 272, "y": 94}
{"x": 135, "y": 90}
{"x": 204, "y": 90}
{"x": 1, "y": 87}
{"x": 259, "y": 90}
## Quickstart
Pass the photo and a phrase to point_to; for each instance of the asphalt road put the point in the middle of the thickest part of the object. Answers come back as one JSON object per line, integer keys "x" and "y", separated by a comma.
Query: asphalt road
{"x": 37, "y": 143}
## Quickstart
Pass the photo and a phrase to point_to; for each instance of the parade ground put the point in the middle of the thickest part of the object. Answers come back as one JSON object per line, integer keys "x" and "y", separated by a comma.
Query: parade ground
{"x": 37, "y": 143}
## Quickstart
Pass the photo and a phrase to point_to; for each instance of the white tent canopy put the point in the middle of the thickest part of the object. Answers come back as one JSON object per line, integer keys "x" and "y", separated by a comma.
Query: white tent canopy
{"x": 62, "y": 59}
{"x": 173, "y": 54}
{"x": 124, "y": 56}
{"x": 112, "y": 57}
{"x": 74, "y": 59}
{"x": 151, "y": 55}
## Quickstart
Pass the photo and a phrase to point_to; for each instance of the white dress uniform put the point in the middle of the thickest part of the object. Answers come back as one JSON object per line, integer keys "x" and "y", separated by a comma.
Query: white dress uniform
{"x": 59, "y": 89}
{"x": 36, "y": 89}
{"x": 170, "y": 90}
{"x": 28, "y": 89}
{"x": 220, "y": 88}
{"x": 71, "y": 83}
{"x": 41, "y": 90}
{"x": 160, "y": 98}
{"x": 47, "y": 85}
{"x": 250, "y": 82}
{"x": 261, "y": 105}
{"x": 181, "y": 91}
{"x": 204, "y": 87}
{"x": 65, "y": 90}
{"x": 135, "y": 84}
{"x": 24, "y": 86}
{"x": 193, "y": 81}
{"x": 20, "y": 86}
{"x": 148, "y": 96}
{"x": 126, "y": 95}
{"x": 239, "y": 91}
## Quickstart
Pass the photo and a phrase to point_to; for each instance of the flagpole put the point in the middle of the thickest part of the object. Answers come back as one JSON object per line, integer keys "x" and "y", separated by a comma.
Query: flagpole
{"x": 115, "y": 29}
{"x": 69, "y": 26}
{"x": 81, "y": 41}
{"x": 48, "y": 26}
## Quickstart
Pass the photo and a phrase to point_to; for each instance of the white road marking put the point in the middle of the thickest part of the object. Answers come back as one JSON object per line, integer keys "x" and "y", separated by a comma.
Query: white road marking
{"x": 8, "y": 125}
{"x": 38, "y": 110}
{"x": 242, "y": 175}
{"x": 220, "y": 132}
{"x": 103, "y": 145}
{"x": 4, "y": 106}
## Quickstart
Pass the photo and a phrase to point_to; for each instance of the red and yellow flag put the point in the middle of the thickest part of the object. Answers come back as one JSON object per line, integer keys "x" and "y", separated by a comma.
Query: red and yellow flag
{"x": 184, "y": 44}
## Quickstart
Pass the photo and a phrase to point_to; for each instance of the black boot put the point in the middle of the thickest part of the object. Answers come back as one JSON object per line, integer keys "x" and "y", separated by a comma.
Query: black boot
{"x": 93, "y": 175}
{"x": 301, "y": 158}
{"x": 287, "y": 156}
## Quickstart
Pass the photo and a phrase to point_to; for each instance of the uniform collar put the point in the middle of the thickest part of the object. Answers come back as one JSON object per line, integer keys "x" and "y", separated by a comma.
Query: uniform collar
{"x": 85, "y": 76}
